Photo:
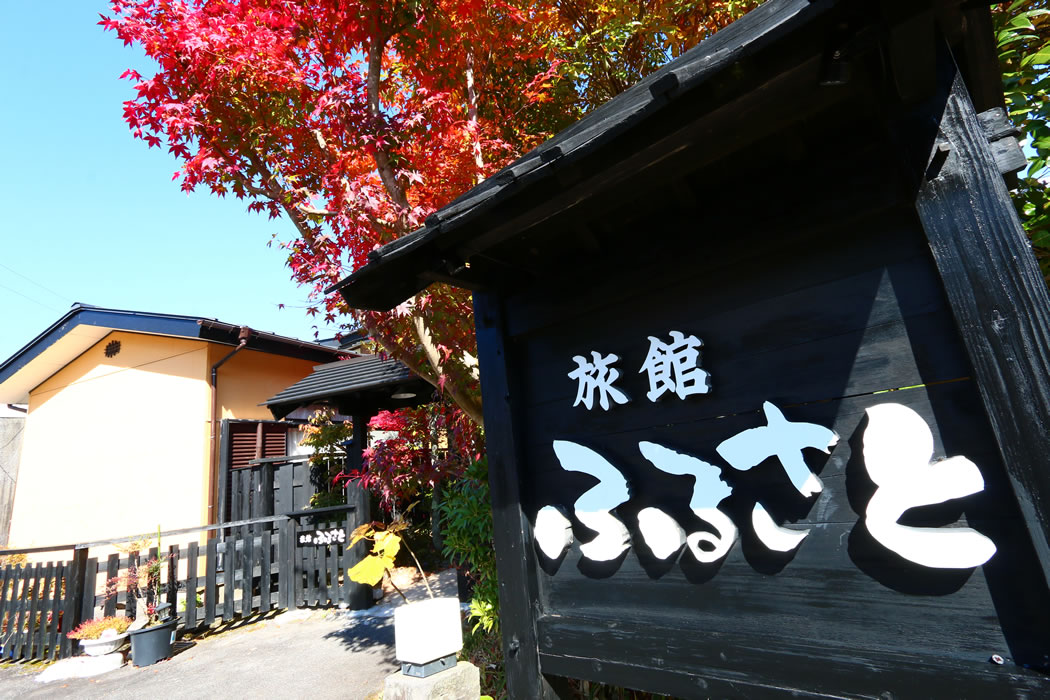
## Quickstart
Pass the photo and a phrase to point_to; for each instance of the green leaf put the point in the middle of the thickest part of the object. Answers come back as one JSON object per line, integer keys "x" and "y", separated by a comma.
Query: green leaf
{"x": 1021, "y": 21}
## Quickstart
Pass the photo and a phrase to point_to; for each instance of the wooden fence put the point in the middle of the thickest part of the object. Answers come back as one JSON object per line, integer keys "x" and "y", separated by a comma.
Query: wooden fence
{"x": 250, "y": 566}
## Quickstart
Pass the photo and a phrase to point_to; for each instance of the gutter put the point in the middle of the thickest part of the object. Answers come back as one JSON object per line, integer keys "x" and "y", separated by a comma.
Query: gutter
{"x": 243, "y": 335}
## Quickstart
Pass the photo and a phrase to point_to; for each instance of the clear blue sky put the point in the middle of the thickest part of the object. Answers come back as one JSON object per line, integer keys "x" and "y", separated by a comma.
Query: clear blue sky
{"x": 89, "y": 214}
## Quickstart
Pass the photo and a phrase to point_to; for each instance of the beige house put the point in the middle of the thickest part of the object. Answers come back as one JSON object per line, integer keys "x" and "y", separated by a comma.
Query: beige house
{"x": 124, "y": 408}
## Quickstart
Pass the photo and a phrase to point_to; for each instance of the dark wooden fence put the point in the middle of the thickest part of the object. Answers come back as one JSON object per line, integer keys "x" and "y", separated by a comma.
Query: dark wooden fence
{"x": 268, "y": 486}
{"x": 249, "y": 566}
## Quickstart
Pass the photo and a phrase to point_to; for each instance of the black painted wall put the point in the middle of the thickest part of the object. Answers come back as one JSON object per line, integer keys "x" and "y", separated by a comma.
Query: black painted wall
{"x": 825, "y": 317}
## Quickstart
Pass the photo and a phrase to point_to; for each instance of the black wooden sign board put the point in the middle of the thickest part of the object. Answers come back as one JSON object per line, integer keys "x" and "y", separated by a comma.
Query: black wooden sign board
{"x": 765, "y": 369}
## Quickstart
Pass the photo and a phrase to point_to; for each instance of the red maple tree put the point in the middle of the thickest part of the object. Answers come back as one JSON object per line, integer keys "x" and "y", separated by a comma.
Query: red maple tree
{"x": 357, "y": 119}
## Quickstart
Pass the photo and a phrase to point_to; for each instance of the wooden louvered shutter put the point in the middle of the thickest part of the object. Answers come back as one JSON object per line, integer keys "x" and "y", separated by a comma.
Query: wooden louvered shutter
{"x": 275, "y": 440}
{"x": 242, "y": 444}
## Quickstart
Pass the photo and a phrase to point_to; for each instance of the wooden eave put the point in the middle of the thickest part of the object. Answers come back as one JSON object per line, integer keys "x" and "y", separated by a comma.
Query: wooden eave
{"x": 537, "y": 215}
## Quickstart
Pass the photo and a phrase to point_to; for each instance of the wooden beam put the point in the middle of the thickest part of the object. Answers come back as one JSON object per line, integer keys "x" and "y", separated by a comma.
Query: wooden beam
{"x": 515, "y": 561}
{"x": 997, "y": 294}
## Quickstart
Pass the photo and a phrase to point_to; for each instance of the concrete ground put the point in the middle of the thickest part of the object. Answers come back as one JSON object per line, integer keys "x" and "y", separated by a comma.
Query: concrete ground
{"x": 314, "y": 654}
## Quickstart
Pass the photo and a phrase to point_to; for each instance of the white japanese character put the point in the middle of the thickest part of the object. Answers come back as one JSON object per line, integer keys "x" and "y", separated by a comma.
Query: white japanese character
{"x": 597, "y": 375}
{"x": 675, "y": 367}
{"x": 784, "y": 440}
{"x": 898, "y": 446}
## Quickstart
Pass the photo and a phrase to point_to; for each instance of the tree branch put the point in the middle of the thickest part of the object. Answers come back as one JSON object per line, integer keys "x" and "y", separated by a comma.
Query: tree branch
{"x": 382, "y": 155}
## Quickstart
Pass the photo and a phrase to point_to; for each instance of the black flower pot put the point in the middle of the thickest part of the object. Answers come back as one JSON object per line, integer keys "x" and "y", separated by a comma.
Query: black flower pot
{"x": 151, "y": 644}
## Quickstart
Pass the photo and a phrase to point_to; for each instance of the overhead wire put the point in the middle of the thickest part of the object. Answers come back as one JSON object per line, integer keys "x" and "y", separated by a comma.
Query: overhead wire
{"x": 35, "y": 301}
{"x": 35, "y": 283}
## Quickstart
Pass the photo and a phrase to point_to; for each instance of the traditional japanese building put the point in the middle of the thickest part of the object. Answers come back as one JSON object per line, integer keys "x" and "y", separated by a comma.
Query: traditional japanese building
{"x": 766, "y": 370}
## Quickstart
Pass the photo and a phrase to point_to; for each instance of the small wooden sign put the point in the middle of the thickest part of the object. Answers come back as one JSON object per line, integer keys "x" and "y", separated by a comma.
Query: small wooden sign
{"x": 323, "y": 537}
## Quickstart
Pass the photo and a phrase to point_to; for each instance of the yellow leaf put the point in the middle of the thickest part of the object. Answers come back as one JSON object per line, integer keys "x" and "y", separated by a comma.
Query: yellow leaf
{"x": 369, "y": 570}
{"x": 360, "y": 532}
{"x": 387, "y": 545}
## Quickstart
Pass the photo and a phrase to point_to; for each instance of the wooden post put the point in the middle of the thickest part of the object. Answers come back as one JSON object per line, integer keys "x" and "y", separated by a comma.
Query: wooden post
{"x": 247, "y": 566}
{"x": 68, "y": 612}
{"x": 20, "y": 616}
{"x": 131, "y": 595}
{"x": 975, "y": 236}
{"x": 34, "y": 611}
{"x": 45, "y": 599}
{"x": 515, "y": 560}
{"x": 57, "y": 634}
{"x": 264, "y": 568}
{"x": 190, "y": 619}
{"x": 87, "y": 608}
{"x": 211, "y": 588}
{"x": 112, "y": 570}
{"x": 5, "y": 575}
{"x": 224, "y": 473}
{"x": 287, "y": 500}
{"x": 75, "y": 594}
{"x": 282, "y": 564}
{"x": 173, "y": 579}
{"x": 229, "y": 576}
{"x": 358, "y": 596}
{"x": 294, "y": 563}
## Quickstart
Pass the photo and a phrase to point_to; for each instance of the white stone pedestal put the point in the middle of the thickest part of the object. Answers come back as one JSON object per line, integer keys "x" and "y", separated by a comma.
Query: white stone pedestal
{"x": 460, "y": 683}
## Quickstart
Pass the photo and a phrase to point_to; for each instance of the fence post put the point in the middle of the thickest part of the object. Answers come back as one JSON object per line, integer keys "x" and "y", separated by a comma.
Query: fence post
{"x": 293, "y": 563}
{"x": 75, "y": 596}
{"x": 358, "y": 595}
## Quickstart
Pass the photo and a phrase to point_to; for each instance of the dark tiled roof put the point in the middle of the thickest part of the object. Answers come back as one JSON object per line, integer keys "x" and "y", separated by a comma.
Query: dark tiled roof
{"x": 777, "y": 36}
{"x": 347, "y": 379}
{"x": 83, "y": 325}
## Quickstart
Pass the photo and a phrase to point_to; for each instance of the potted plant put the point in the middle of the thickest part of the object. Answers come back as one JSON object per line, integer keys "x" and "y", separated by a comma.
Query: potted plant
{"x": 427, "y": 633}
{"x": 153, "y": 630}
{"x": 102, "y": 635}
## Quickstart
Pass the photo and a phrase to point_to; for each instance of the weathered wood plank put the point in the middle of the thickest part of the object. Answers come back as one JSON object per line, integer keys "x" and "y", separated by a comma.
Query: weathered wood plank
{"x": 6, "y": 598}
{"x": 211, "y": 589}
{"x": 69, "y": 604}
{"x": 357, "y": 596}
{"x": 56, "y": 632}
{"x": 46, "y": 596}
{"x": 265, "y": 576}
{"x": 28, "y": 651}
{"x": 516, "y": 566}
{"x": 131, "y": 597}
{"x": 5, "y": 593}
{"x": 87, "y": 607}
{"x": 230, "y": 562}
{"x": 112, "y": 571}
{"x": 248, "y": 564}
{"x": 997, "y": 295}
{"x": 725, "y": 664}
{"x": 192, "y": 555}
{"x": 18, "y": 638}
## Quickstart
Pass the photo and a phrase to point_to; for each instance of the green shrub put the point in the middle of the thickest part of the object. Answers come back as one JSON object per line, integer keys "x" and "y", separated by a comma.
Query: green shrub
{"x": 466, "y": 527}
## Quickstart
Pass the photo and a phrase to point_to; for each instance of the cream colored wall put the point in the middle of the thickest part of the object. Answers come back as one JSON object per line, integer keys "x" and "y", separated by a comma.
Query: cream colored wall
{"x": 245, "y": 380}
{"x": 250, "y": 377}
{"x": 114, "y": 446}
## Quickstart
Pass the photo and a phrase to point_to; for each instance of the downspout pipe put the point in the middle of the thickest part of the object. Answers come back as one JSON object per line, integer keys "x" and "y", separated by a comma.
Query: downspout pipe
{"x": 242, "y": 337}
